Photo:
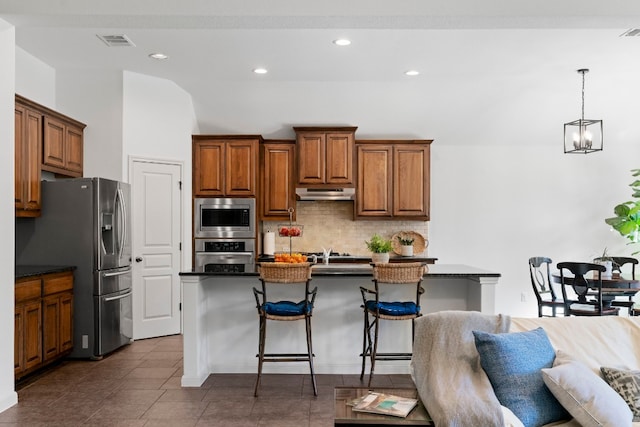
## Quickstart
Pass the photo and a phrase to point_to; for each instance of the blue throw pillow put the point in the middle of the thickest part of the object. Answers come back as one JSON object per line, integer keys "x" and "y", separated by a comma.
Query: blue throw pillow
{"x": 513, "y": 362}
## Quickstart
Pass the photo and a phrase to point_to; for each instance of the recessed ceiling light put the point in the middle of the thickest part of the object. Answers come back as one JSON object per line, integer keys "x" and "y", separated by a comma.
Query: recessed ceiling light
{"x": 158, "y": 55}
{"x": 342, "y": 42}
{"x": 412, "y": 72}
{"x": 260, "y": 70}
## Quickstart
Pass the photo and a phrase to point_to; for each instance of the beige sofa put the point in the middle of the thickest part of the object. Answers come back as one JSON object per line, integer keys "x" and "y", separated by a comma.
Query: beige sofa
{"x": 455, "y": 389}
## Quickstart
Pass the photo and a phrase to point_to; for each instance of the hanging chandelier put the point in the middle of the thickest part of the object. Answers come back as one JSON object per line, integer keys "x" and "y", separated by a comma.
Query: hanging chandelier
{"x": 583, "y": 136}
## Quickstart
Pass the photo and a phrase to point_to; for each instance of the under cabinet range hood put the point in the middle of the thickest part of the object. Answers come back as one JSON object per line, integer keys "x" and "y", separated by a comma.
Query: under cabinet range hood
{"x": 325, "y": 193}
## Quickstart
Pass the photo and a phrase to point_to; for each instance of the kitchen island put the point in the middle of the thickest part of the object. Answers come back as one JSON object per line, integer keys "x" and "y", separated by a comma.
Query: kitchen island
{"x": 221, "y": 320}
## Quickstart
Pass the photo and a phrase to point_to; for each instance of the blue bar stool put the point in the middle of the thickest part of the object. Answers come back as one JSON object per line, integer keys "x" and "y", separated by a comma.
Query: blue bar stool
{"x": 290, "y": 274}
{"x": 376, "y": 309}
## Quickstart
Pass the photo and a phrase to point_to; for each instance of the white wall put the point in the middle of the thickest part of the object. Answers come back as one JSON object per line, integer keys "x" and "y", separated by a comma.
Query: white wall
{"x": 158, "y": 121}
{"x": 8, "y": 396}
{"x": 36, "y": 80}
{"x": 94, "y": 97}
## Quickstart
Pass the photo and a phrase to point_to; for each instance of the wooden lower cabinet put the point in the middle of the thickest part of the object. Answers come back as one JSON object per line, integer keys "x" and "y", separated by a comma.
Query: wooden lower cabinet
{"x": 43, "y": 321}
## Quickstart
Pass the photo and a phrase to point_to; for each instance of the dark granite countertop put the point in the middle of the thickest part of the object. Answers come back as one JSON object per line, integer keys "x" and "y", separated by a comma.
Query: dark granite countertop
{"x": 37, "y": 270}
{"x": 364, "y": 269}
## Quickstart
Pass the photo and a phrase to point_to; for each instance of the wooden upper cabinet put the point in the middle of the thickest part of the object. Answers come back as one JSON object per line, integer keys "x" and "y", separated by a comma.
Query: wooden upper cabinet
{"x": 277, "y": 161}
{"x": 45, "y": 140}
{"x": 241, "y": 167}
{"x": 225, "y": 166}
{"x": 28, "y": 144}
{"x": 208, "y": 168}
{"x": 62, "y": 147}
{"x": 373, "y": 193}
{"x": 411, "y": 176}
{"x": 393, "y": 179}
{"x": 325, "y": 156}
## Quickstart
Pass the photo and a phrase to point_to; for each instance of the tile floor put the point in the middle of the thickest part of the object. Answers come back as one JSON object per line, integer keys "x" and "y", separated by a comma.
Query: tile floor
{"x": 139, "y": 385}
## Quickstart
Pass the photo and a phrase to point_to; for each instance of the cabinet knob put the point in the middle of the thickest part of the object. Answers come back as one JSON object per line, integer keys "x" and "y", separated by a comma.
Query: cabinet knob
{"x": 138, "y": 259}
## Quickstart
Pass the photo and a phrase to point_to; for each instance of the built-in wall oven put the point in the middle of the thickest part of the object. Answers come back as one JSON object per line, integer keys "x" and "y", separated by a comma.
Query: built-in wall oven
{"x": 224, "y": 218}
{"x": 225, "y": 255}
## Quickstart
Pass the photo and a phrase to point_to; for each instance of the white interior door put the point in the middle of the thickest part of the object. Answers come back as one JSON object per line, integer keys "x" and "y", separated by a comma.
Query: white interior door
{"x": 156, "y": 211}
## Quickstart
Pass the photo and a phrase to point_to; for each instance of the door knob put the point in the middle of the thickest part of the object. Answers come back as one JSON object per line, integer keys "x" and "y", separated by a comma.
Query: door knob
{"x": 138, "y": 259}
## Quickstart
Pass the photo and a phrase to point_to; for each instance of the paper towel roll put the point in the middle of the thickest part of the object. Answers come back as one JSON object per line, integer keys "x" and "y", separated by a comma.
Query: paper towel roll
{"x": 269, "y": 243}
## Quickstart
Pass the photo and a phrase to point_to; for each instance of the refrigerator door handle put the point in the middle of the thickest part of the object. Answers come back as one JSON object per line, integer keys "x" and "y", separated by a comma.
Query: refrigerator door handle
{"x": 118, "y": 297}
{"x": 124, "y": 219}
{"x": 117, "y": 273}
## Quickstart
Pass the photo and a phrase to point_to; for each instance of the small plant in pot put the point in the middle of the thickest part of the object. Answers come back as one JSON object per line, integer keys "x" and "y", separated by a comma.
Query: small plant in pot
{"x": 406, "y": 244}
{"x": 607, "y": 261}
{"x": 380, "y": 248}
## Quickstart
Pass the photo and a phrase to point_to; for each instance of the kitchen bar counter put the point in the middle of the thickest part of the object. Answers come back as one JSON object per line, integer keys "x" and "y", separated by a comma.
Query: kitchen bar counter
{"x": 23, "y": 271}
{"x": 220, "y": 320}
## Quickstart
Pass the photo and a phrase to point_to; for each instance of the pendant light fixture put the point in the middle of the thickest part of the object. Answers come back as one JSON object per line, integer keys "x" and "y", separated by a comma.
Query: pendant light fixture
{"x": 583, "y": 136}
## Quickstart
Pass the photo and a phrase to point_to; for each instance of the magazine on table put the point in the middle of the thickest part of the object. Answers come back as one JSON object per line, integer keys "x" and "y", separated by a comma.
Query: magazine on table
{"x": 385, "y": 404}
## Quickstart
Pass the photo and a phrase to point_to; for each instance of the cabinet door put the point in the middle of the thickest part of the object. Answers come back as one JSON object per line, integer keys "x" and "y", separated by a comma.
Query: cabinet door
{"x": 51, "y": 329}
{"x": 18, "y": 340}
{"x": 19, "y": 182}
{"x": 32, "y": 334}
{"x": 53, "y": 143}
{"x": 278, "y": 194}
{"x": 66, "y": 321}
{"x": 28, "y": 137}
{"x": 240, "y": 167}
{"x": 208, "y": 172}
{"x": 311, "y": 157}
{"x": 339, "y": 158}
{"x": 74, "y": 150}
{"x": 373, "y": 192}
{"x": 411, "y": 181}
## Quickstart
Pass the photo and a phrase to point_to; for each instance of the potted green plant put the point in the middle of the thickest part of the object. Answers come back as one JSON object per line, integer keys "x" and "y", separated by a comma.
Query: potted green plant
{"x": 627, "y": 219}
{"x": 380, "y": 248}
{"x": 607, "y": 261}
{"x": 406, "y": 244}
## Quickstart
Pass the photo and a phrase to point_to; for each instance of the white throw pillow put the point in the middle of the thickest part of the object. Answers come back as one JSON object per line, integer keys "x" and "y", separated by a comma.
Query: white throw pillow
{"x": 586, "y": 396}
{"x": 510, "y": 419}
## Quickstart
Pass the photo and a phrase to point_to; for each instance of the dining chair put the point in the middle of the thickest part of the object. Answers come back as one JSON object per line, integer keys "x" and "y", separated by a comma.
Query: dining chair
{"x": 285, "y": 310}
{"x": 586, "y": 285}
{"x": 389, "y": 275}
{"x": 539, "y": 271}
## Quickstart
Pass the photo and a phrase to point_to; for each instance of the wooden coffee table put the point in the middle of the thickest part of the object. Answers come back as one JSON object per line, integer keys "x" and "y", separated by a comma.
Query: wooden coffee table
{"x": 346, "y": 417}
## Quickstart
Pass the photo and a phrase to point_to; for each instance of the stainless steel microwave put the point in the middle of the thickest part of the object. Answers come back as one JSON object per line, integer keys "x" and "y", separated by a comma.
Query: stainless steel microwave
{"x": 222, "y": 218}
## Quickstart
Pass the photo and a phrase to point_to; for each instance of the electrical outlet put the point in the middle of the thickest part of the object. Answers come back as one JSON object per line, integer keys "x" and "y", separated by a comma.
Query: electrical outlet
{"x": 523, "y": 297}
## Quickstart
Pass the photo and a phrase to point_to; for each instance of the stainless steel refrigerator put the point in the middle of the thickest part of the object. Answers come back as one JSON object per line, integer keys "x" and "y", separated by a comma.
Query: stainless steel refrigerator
{"x": 86, "y": 222}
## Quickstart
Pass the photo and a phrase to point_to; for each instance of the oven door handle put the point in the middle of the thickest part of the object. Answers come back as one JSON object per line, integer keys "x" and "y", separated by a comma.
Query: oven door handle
{"x": 118, "y": 297}
{"x": 226, "y": 254}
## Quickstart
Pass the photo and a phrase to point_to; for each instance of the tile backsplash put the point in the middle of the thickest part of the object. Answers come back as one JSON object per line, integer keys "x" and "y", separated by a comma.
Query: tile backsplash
{"x": 331, "y": 224}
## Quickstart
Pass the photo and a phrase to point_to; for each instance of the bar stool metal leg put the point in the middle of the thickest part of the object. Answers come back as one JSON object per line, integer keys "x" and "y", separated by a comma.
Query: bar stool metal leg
{"x": 366, "y": 343}
{"x": 261, "y": 344}
{"x": 310, "y": 352}
{"x": 374, "y": 350}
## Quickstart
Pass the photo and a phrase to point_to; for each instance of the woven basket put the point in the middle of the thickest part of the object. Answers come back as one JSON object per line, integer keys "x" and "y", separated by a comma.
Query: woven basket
{"x": 281, "y": 272}
{"x": 401, "y": 272}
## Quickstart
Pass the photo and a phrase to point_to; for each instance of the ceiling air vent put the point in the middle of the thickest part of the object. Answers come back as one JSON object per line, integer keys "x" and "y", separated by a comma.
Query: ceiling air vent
{"x": 116, "y": 40}
{"x": 634, "y": 32}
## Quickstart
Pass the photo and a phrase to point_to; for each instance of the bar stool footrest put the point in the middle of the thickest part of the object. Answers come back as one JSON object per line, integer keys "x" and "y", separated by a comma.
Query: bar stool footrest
{"x": 390, "y": 356}
{"x": 286, "y": 357}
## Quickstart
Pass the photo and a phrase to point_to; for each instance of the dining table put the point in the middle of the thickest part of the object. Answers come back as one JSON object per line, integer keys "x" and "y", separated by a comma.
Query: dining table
{"x": 612, "y": 287}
